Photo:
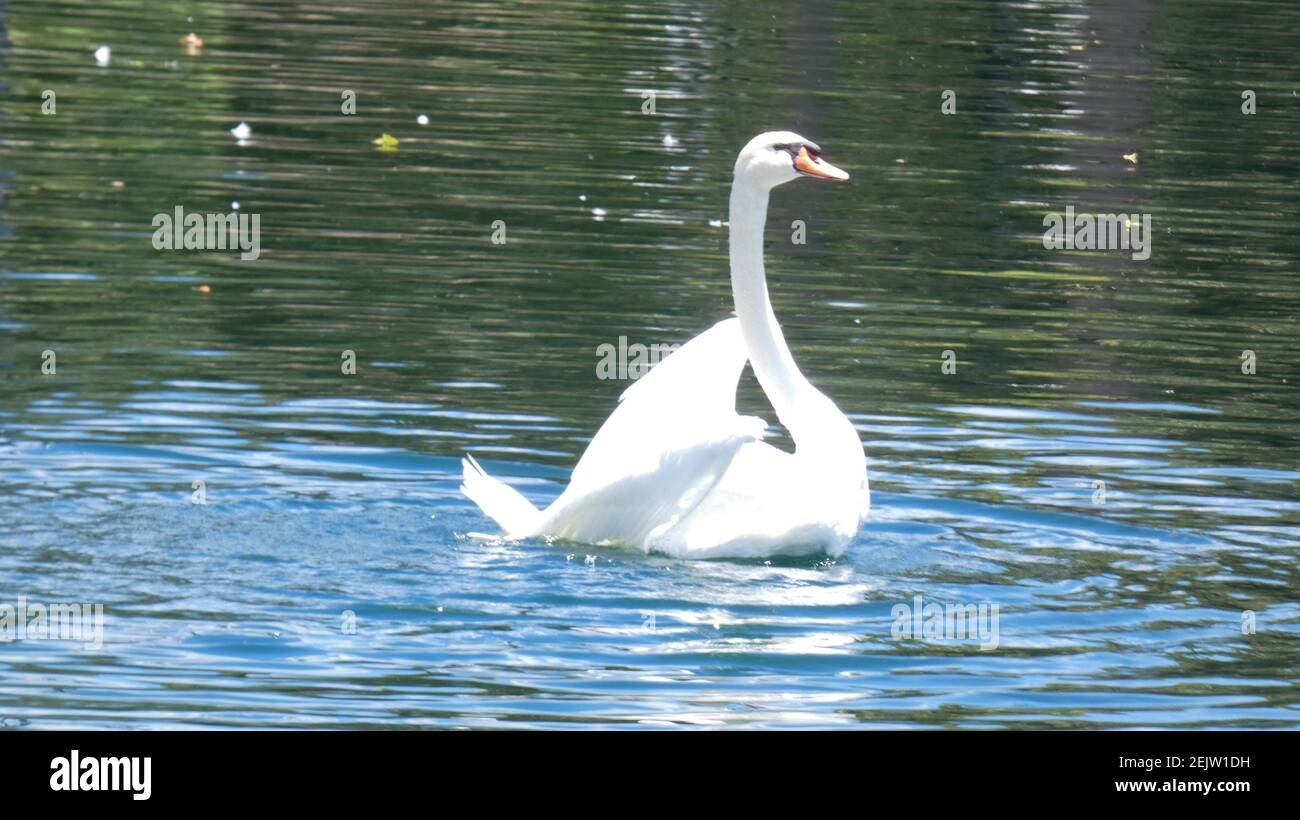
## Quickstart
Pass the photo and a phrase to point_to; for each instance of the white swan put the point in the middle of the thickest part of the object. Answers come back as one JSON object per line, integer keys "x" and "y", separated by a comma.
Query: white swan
{"x": 674, "y": 469}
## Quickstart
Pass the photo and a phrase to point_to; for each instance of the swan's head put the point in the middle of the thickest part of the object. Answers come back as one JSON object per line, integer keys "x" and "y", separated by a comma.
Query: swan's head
{"x": 776, "y": 157}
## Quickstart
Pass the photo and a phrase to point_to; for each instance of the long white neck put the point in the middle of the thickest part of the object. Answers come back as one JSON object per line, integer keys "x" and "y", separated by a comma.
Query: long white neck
{"x": 824, "y": 438}
{"x": 768, "y": 353}
{"x": 820, "y": 431}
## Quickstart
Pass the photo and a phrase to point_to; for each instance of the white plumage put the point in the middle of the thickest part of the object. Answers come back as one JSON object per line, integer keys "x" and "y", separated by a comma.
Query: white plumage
{"x": 675, "y": 469}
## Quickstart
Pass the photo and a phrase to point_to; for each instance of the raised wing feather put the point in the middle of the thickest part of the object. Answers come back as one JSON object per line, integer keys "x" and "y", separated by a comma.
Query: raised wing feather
{"x": 663, "y": 448}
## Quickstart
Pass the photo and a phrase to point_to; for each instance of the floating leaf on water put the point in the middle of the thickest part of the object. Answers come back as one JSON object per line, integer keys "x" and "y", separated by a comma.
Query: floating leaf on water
{"x": 387, "y": 142}
{"x": 1133, "y": 157}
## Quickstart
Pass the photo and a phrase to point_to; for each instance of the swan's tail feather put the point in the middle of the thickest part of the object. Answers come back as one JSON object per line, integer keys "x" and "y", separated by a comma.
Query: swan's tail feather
{"x": 502, "y": 503}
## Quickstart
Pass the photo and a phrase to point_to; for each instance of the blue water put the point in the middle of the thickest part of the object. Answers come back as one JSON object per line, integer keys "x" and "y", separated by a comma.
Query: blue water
{"x": 1099, "y": 468}
{"x": 236, "y": 612}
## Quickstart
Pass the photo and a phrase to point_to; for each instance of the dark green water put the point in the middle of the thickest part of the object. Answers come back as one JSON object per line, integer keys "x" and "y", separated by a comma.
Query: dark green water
{"x": 331, "y": 493}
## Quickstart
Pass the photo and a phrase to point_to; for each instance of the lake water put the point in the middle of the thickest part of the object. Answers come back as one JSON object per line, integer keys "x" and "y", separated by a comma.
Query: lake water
{"x": 1098, "y": 466}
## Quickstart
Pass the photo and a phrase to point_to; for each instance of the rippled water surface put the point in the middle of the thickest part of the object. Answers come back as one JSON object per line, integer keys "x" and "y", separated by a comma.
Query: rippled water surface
{"x": 1098, "y": 467}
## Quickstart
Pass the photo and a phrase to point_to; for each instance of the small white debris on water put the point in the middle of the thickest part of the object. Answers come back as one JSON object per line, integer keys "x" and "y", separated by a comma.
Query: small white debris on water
{"x": 234, "y": 206}
{"x": 241, "y": 131}
{"x": 669, "y": 140}
{"x": 715, "y": 223}
{"x": 103, "y": 54}
{"x": 582, "y": 197}
{"x": 598, "y": 214}
{"x": 591, "y": 560}
{"x": 423, "y": 119}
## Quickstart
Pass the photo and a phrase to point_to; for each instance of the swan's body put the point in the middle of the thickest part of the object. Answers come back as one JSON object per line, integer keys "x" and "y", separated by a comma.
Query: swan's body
{"x": 675, "y": 469}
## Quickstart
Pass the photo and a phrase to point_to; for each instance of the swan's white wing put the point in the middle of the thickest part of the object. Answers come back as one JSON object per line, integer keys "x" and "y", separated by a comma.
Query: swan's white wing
{"x": 687, "y": 400}
{"x": 663, "y": 448}
{"x": 702, "y": 373}
{"x": 767, "y": 503}
{"x": 635, "y": 508}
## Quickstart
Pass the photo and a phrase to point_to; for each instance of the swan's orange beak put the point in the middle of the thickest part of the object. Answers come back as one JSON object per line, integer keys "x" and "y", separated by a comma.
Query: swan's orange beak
{"x": 814, "y": 166}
